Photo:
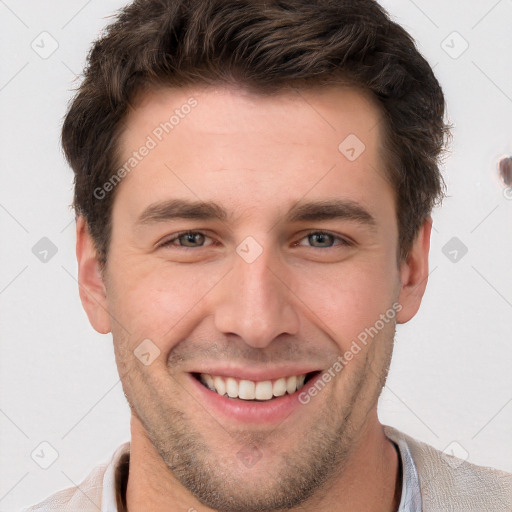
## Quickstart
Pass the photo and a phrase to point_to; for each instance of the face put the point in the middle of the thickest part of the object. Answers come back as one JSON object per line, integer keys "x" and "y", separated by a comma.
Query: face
{"x": 249, "y": 248}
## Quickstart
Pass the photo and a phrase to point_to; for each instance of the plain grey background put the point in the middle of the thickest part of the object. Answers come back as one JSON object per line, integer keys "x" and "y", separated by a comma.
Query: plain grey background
{"x": 450, "y": 383}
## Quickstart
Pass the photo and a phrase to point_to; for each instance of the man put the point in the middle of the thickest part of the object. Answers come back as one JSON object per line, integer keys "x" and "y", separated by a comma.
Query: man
{"x": 254, "y": 183}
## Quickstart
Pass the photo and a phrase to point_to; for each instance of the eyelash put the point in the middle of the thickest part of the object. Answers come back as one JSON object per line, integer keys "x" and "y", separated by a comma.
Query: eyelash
{"x": 343, "y": 241}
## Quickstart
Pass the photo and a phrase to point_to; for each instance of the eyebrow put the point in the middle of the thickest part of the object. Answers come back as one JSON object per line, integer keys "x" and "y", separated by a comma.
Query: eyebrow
{"x": 300, "y": 212}
{"x": 331, "y": 209}
{"x": 182, "y": 209}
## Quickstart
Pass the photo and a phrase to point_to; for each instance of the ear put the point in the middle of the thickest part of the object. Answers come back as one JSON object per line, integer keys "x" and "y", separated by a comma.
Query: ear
{"x": 414, "y": 274}
{"x": 91, "y": 287}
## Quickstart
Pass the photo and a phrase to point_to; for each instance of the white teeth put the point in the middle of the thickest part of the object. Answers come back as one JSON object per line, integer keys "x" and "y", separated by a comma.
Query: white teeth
{"x": 279, "y": 388}
{"x": 219, "y": 384}
{"x": 208, "y": 380}
{"x": 231, "y": 387}
{"x": 291, "y": 385}
{"x": 263, "y": 390}
{"x": 250, "y": 390}
{"x": 247, "y": 390}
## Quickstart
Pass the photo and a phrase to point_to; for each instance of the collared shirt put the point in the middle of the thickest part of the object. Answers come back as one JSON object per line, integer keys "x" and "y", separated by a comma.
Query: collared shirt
{"x": 447, "y": 483}
{"x": 115, "y": 480}
{"x": 116, "y": 476}
{"x": 411, "y": 495}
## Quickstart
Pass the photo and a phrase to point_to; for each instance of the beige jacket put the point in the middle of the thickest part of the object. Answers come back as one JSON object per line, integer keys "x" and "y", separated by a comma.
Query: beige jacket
{"x": 448, "y": 484}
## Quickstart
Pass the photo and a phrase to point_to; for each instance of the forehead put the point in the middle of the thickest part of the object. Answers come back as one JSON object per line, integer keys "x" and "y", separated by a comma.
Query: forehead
{"x": 300, "y": 113}
{"x": 248, "y": 148}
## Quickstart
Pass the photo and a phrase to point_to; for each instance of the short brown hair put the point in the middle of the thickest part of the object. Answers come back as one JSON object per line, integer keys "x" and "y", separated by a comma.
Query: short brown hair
{"x": 266, "y": 46}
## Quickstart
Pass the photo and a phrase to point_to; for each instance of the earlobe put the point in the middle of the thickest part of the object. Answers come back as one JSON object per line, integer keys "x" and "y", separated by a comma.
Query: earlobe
{"x": 414, "y": 274}
{"x": 91, "y": 286}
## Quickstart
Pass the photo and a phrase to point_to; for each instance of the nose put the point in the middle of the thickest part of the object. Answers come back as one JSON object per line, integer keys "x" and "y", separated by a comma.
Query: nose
{"x": 254, "y": 302}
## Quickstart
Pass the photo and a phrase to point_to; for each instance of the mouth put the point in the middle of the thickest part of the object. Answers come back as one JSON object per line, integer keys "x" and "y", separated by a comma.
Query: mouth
{"x": 254, "y": 391}
{"x": 268, "y": 401}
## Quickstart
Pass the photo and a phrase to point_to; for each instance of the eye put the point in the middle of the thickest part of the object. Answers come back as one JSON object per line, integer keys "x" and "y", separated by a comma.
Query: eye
{"x": 186, "y": 240}
{"x": 316, "y": 240}
{"x": 324, "y": 240}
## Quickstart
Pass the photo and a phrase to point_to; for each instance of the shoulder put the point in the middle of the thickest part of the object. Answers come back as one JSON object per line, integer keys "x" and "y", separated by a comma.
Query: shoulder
{"x": 87, "y": 495}
{"x": 84, "y": 497}
{"x": 450, "y": 483}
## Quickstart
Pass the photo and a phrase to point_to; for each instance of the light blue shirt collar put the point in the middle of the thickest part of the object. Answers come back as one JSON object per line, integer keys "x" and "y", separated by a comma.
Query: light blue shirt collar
{"x": 411, "y": 495}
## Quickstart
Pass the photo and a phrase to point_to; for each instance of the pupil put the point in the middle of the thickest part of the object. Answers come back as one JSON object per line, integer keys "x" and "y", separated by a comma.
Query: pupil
{"x": 191, "y": 238}
{"x": 322, "y": 238}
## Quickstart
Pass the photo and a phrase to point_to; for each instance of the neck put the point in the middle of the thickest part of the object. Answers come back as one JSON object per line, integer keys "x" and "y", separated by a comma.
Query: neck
{"x": 371, "y": 480}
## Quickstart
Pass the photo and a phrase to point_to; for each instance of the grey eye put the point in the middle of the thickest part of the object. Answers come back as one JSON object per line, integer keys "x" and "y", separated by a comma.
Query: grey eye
{"x": 191, "y": 238}
{"x": 324, "y": 239}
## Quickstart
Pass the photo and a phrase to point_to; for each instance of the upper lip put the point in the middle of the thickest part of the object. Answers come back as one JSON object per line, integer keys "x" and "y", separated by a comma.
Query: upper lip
{"x": 256, "y": 374}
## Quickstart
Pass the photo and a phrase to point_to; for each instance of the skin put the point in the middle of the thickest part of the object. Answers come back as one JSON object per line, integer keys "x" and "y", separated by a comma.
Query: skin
{"x": 256, "y": 156}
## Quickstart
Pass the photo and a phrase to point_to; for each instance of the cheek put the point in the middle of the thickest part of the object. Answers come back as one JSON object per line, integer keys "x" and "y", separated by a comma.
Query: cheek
{"x": 348, "y": 298}
{"x": 160, "y": 301}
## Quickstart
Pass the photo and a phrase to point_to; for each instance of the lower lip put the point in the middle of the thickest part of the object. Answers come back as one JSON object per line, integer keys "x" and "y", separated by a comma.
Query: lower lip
{"x": 250, "y": 411}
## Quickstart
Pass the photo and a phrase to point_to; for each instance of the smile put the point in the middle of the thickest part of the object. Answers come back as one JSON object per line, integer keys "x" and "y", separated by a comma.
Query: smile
{"x": 243, "y": 389}
{"x": 250, "y": 396}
